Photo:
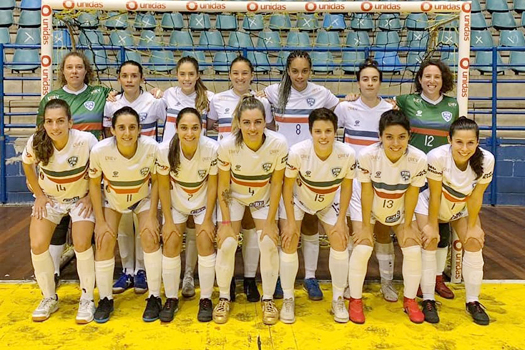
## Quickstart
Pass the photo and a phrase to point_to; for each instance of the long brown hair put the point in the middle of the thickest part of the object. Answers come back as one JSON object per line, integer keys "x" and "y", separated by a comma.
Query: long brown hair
{"x": 201, "y": 102}
{"x": 247, "y": 102}
{"x": 174, "y": 152}
{"x": 90, "y": 75}
{"x": 476, "y": 160}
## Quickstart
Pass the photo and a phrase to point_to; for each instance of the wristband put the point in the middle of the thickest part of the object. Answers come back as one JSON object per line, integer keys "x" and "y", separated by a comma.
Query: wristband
{"x": 226, "y": 222}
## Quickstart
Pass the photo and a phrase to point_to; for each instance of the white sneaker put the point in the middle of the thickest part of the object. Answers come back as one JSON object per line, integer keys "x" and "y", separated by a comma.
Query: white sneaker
{"x": 288, "y": 311}
{"x": 188, "y": 286}
{"x": 388, "y": 290}
{"x": 46, "y": 307}
{"x": 339, "y": 310}
{"x": 86, "y": 311}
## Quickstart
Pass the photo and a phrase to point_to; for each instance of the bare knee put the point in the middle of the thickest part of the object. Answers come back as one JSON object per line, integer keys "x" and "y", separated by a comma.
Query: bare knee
{"x": 473, "y": 245}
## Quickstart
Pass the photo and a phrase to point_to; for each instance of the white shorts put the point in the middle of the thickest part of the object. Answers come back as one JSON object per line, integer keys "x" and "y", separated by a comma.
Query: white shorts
{"x": 237, "y": 211}
{"x": 56, "y": 212}
{"x": 354, "y": 208}
{"x": 198, "y": 215}
{"x": 137, "y": 208}
{"x": 422, "y": 207}
{"x": 328, "y": 215}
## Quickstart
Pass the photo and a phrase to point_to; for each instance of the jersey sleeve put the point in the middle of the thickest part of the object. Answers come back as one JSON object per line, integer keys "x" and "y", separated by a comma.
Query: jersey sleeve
{"x": 420, "y": 176}
{"x": 162, "y": 165}
{"x": 364, "y": 167}
{"x": 272, "y": 93}
{"x": 282, "y": 156}
{"x": 223, "y": 158}
{"x": 92, "y": 141}
{"x": 293, "y": 164}
{"x": 108, "y": 115}
{"x": 330, "y": 99}
{"x": 401, "y": 101}
{"x": 267, "y": 110}
{"x": 435, "y": 166}
{"x": 28, "y": 157}
{"x": 95, "y": 169}
{"x": 160, "y": 109}
{"x": 214, "y": 170}
{"x": 212, "y": 112}
{"x": 340, "y": 115}
{"x": 488, "y": 168}
{"x": 351, "y": 171}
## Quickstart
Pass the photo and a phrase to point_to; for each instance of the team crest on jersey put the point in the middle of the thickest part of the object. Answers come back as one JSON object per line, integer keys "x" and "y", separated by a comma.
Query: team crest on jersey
{"x": 237, "y": 167}
{"x": 447, "y": 116}
{"x": 336, "y": 171}
{"x": 144, "y": 171}
{"x": 378, "y": 174}
{"x": 419, "y": 113}
{"x": 405, "y": 175}
{"x": 115, "y": 174}
{"x": 267, "y": 166}
{"x": 357, "y": 123}
{"x": 227, "y": 110}
{"x": 89, "y": 105}
{"x": 310, "y": 101}
{"x": 143, "y": 116}
{"x": 202, "y": 173}
{"x": 73, "y": 161}
{"x": 308, "y": 173}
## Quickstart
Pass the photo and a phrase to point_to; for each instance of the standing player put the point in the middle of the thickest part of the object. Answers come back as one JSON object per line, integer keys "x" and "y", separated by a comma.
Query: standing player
{"x": 187, "y": 173}
{"x": 126, "y": 162}
{"x": 151, "y": 111}
{"x": 431, "y": 113}
{"x": 315, "y": 171}
{"x": 251, "y": 168}
{"x": 222, "y": 106}
{"x": 293, "y": 99}
{"x": 360, "y": 120}
{"x": 390, "y": 173}
{"x": 60, "y": 189}
{"x": 458, "y": 175}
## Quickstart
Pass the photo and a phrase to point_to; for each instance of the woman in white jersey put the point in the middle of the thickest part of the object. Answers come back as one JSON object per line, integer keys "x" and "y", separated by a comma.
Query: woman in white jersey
{"x": 251, "y": 165}
{"x": 360, "y": 120}
{"x": 391, "y": 173}
{"x": 60, "y": 189}
{"x": 187, "y": 175}
{"x": 222, "y": 106}
{"x": 293, "y": 99}
{"x": 126, "y": 163}
{"x": 458, "y": 175}
{"x": 151, "y": 112}
{"x": 315, "y": 172}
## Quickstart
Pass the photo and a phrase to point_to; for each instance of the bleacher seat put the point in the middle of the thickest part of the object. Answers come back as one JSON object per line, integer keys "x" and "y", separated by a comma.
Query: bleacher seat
{"x": 29, "y": 18}
{"x": 298, "y": 39}
{"x": 30, "y": 4}
{"x": 322, "y": 62}
{"x": 414, "y": 60}
{"x": 450, "y": 58}
{"x": 240, "y": 39}
{"x": 162, "y": 61}
{"x": 91, "y": 37}
{"x": 61, "y": 41}
{"x": 475, "y": 6}
{"x": 181, "y": 38}
{"x": 280, "y": 21}
{"x": 327, "y": 39}
{"x": 26, "y": 36}
{"x": 199, "y": 56}
{"x": 172, "y": 21}
{"x": 511, "y": 38}
{"x": 211, "y": 39}
{"x": 281, "y": 60}
{"x": 448, "y": 38}
{"x": 352, "y": 59}
{"x": 519, "y": 5}
{"x": 416, "y": 21}
{"x": 116, "y": 20}
{"x": 199, "y": 21}
{"x": 125, "y": 39}
{"x": 145, "y": 21}
{"x": 517, "y": 58}
{"x": 522, "y": 19}
{"x": 253, "y": 22}
{"x": 270, "y": 40}
{"x": 416, "y": 39}
{"x": 478, "y": 21}
{"x": 7, "y": 4}
{"x": 387, "y": 39}
{"x": 226, "y": 22}
{"x": 148, "y": 38}
{"x": 497, "y": 6}
{"x": 5, "y": 38}
{"x": 6, "y": 18}
{"x": 307, "y": 21}
{"x": 447, "y": 21}
{"x": 260, "y": 61}
{"x": 357, "y": 39}
{"x": 483, "y": 38}
{"x": 98, "y": 57}
{"x": 334, "y": 21}
{"x": 222, "y": 61}
{"x": 388, "y": 61}
{"x": 503, "y": 20}
{"x": 389, "y": 21}
{"x": 361, "y": 21}
{"x": 88, "y": 20}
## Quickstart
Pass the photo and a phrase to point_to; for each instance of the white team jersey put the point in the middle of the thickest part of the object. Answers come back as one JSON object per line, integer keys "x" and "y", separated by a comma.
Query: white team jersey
{"x": 222, "y": 106}
{"x": 391, "y": 180}
{"x": 457, "y": 184}
{"x": 65, "y": 177}
{"x": 175, "y": 101}
{"x": 360, "y": 122}
{"x": 189, "y": 187}
{"x": 149, "y": 108}
{"x": 126, "y": 181}
{"x": 318, "y": 180}
{"x": 251, "y": 171}
{"x": 293, "y": 121}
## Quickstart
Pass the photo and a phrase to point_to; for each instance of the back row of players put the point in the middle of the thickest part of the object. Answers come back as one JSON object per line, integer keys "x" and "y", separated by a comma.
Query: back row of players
{"x": 248, "y": 170}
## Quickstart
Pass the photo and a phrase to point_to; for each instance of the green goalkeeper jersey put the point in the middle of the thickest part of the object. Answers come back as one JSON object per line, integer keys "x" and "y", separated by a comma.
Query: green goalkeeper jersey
{"x": 429, "y": 123}
{"x": 87, "y": 107}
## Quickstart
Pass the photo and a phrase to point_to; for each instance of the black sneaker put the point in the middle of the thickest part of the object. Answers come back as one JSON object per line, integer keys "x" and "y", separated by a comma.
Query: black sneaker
{"x": 232, "y": 289}
{"x": 171, "y": 306}
{"x": 153, "y": 307}
{"x": 278, "y": 293}
{"x": 205, "y": 310}
{"x": 430, "y": 311}
{"x": 477, "y": 311}
{"x": 104, "y": 310}
{"x": 250, "y": 289}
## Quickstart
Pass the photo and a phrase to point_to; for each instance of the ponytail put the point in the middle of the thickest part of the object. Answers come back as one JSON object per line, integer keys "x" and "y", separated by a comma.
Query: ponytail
{"x": 201, "y": 101}
{"x": 42, "y": 145}
{"x": 285, "y": 86}
{"x": 476, "y": 161}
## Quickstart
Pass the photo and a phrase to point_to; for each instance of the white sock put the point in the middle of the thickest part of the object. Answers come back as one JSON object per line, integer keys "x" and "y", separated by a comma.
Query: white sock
{"x": 104, "y": 277}
{"x": 269, "y": 265}
{"x": 171, "y": 276}
{"x": 441, "y": 260}
{"x": 86, "y": 272}
{"x": 472, "y": 274}
{"x": 139, "y": 254}
{"x": 126, "y": 243}
{"x": 44, "y": 273}
{"x": 385, "y": 257}
{"x": 190, "y": 252}
{"x": 357, "y": 269}
{"x": 310, "y": 245}
{"x": 153, "y": 262}
{"x": 207, "y": 275}
{"x": 288, "y": 271}
{"x": 428, "y": 274}
{"x": 56, "y": 254}
{"x": 338, "y": 265}
{"x": 225, "y": 265}
{"x": 250, "y": 252}
{"x": 350, "y": 247}
{"x": 411, "y": 270}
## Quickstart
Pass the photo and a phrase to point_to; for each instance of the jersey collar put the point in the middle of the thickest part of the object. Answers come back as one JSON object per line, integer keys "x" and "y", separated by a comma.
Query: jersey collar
{"x": 440, "y": 98}
{"x": 75, "y": 92}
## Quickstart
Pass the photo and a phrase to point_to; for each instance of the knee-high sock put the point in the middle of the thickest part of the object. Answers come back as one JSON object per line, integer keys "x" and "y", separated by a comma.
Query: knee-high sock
{"x": 288, "y": 271}
{"x": 104, "y": 276}
{"x": 190, "y": 252}
{"x": 225, "y": 265}
{"x": 171, "y": 276}
{"x": 56, "y": 254}
{"x": 338, "y": 265}
{"x": 310, "y": 247}
{"x": 428, "y": 273}
{"x": 44, "y": 273}
{"x": 472, "y": 274}
{"x": 385, "y": 257}
{"x": 411, "y": 270}
{"x": 126, "y": 243}
{"x": 153, "y": 263}
{"x": 357, "y": 269}
{"x": 269, "y": 265}
{"x": 441, "y": 260}
{"x": 250, "y": 252}
{"x": 206, "y": 275}
{"x": 350, "y": 248}
{"x": 86, "y": 272}
{"x": 139, "y": 254}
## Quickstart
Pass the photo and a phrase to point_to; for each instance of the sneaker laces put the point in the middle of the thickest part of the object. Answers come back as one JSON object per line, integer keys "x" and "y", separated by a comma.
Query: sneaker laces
{"x": 269, "y": 306}
{"x": 205, "y": 303}
{"x": 288, "y": 304}
{"x": 222, "y": 305}
{"x": 340, "y": 305}
{"x": 430, "y": 305}
{"x": 479, "y": 308}
{"x": 44, "y": 304}
{"x": 84, "y": 304}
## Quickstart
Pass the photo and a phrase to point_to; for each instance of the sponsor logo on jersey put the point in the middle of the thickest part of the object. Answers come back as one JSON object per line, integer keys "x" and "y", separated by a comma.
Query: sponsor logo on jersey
{"x": 452, "y": 104}
{"x": 284, "y": 159}
{"x": 310, "y": 101}
{"x": 144, "y": 171}
{"x": 202, "y": 173}
{"x": 357, "y": 122}
{"x": 417, "y": 100}
{"x": 487, "y": 175}
{"x": 213, "y": 162}
{"x": 143, "y": 116}
{"x": 363, "y": 170}
{"x": 89, "y": 105}
{"x": 197, "y": 211}
{"x": 405, "y": 175}
{"x": 456, "y": 216}
{"x": 419, "y": 113}
{"x": 110, "y": 158}
{"x": 237, "y": 167}
{"x": 421, "y": 173}
{"x": 227, "y": 110}
{"x": 447, "y": 116}
{"x": 378, "y": 174}
{"x": 308, "y": 173}
{"x": 336, "y": 171}
{"x": 115, "y": 174}
{"x": 393, "y": 218}
{"x": 72, "y": 161}
{"x": 432, "y": 169}
{"x": 267, "y": 166}
{"x": 91, "y": 170}
{"x": 257, "y": 204}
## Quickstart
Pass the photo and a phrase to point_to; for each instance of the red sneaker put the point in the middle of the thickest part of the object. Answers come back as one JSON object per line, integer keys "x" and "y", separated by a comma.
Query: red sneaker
{"x": 412, "y": 310}
{"x": 442, "y": 289}
{"x": 355, "y": 309}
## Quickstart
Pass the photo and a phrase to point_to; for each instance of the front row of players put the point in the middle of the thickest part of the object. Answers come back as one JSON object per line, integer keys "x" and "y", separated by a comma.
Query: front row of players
{"x": 253, "y": 168}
